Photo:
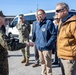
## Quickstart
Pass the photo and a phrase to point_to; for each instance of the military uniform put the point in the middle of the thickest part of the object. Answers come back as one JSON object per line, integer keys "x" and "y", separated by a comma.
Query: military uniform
{"x": 3, "y": 56}
{"x": 24, "y": 30}
{"x": 4, "y": 46}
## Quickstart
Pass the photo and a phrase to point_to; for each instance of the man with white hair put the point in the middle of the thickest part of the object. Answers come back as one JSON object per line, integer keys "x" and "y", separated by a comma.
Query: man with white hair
{"x": 66, "y": 39}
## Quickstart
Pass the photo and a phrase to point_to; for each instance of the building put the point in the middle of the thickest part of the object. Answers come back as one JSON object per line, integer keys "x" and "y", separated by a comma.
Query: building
{"x": 8, "y": 19}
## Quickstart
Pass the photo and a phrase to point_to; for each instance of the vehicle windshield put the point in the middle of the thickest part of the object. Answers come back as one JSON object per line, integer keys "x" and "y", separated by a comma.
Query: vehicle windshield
{"x": 13, "y": 23}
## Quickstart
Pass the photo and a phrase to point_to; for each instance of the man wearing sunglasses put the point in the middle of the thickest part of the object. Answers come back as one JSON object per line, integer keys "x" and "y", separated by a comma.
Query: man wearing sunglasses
{"x": 66, "y": 39}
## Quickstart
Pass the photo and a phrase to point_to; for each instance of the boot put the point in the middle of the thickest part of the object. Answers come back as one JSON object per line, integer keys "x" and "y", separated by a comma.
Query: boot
{"x": 35, "y": 65}
{"x": 23, "y": 61}
{"x": 27, "y": 62}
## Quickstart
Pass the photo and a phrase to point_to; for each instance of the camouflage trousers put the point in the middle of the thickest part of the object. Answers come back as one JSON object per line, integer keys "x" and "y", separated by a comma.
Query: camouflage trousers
{"x": 3, "y": 64}
{"x": 25, "y": 51}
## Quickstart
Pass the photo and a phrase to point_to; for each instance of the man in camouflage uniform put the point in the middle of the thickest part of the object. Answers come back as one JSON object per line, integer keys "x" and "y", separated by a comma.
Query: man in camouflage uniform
{"x": 24, "y": 30}
{"x": 3, "y": 50}
{"x": 4, "y": 46}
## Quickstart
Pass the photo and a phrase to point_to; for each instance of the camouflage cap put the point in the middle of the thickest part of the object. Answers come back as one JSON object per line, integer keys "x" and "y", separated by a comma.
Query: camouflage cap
{"x": 1, "y": 14}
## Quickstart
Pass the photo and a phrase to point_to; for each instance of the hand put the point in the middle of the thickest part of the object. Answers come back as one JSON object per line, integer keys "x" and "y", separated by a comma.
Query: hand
{"x": 31, "y": 43}
{"x": 27, "y": 44}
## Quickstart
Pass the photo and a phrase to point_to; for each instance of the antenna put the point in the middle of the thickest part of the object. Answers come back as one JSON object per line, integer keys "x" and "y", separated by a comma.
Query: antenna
{"x": 37, "y": 6}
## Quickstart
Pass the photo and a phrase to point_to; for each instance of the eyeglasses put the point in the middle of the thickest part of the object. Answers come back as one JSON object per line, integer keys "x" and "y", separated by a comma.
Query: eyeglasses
{"x": 59, "y": 10}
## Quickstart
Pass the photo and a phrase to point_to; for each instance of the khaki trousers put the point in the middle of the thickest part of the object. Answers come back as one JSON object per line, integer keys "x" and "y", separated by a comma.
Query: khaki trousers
{"x": 46, "y": 63}
{"x": 68, "y": 67}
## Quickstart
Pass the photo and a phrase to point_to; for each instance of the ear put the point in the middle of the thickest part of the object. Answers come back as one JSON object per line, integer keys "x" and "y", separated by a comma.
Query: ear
{"x": 65, "y": 10}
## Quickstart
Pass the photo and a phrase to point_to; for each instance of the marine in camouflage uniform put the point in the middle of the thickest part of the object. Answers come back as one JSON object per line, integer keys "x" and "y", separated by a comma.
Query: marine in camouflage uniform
{"x": 3, "y": 51}
{"x": 4, "y": 46}
{"x": 3, "y": 57}
{"x": 24, "y": 30}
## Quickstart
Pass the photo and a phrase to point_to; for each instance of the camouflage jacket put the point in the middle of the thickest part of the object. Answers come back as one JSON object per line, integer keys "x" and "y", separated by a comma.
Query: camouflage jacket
{"x": 7, "y": 44}
{"x": 3, "y": 44}
{"x": 24, "y": 30}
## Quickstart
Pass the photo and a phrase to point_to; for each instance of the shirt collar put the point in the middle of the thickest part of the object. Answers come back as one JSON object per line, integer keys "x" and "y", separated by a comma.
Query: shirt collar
{"x": 66, "y": 18}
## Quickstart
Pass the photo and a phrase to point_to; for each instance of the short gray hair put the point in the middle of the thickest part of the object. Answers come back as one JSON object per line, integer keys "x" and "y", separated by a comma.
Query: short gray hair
{"x": 64, "y": 5}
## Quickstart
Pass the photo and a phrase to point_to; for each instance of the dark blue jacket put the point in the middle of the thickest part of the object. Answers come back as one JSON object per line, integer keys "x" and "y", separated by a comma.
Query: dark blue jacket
{"x": 33, "y": 31}
{"x": 44, "y": 35}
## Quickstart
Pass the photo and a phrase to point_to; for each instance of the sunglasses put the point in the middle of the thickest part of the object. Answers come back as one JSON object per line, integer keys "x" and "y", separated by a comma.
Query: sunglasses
{"x": 59, "y": 10}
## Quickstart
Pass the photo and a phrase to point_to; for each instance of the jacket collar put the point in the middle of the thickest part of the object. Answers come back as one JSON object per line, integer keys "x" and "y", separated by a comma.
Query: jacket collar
{"x": 43, "y": 22}
{"x": 66, "y": 18}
